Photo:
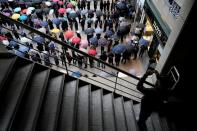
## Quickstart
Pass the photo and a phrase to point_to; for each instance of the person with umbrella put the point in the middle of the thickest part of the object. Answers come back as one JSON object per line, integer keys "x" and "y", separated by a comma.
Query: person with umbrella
{"x": 93, "y": 41}
{"x": 89, "y": 31}
{"x": 98, "y": 32}
{"x": 45, "y": 56}
{"x": 51, "y": 46}
{"x": 102, "y": 42}
{"x": 118, "y": 50}
{"x": 92, "y": 52}
{"x": 99, "y": 13}
{"x": 83, "y": 22}
{"x": 56, "y": 21}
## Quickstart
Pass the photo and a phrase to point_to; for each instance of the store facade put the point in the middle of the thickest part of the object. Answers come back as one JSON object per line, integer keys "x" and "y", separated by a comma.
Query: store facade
{"x": 161, "y": 30}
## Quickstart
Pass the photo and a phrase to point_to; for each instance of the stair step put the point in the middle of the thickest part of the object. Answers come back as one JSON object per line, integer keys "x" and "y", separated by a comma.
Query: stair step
{"x": 68, "y": 109}
{"x": 119, "y": 115}
{"x": 51, "y": 105}
{"x": 164, "y": 124}
{"x": 29, "y": 110}
{"x": 130, "y": 116}
{"x": 156, "y": 121}
{"x": 6, "y": 65}
{"x": 96, "y": 111}
{"x": 149, "y": 124}
{"x": 83, "y": 108}
{"x": 13, "y": 91}
{"x": 108, "y": 113}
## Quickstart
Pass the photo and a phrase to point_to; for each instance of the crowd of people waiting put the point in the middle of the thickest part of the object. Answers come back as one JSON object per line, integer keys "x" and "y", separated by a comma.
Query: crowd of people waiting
{"x": 105, "y": 26}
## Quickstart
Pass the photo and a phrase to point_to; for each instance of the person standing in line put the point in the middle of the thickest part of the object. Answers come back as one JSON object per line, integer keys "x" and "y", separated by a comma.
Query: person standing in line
{"x": 95, "y": 5}
{"x": 117, "y": 59}
{"x": 143, "y": 48}
{"x": 78, "y": 34}
{"x": 135, "y": 51}
{"x": 63, "y": 58}
{"x": 112, "y": 5}
{"x": 56, "y": 59}
{"x": 83, "y": 22}
{"x": 110, "y": 58}
{"x": 104, "y": 5}
{"x": 102, "y": 57}
{"x": 108, "y": 5}
{"x": 68, "y": 57}
{"x": 88, "y": 5}
{"x": 101, "y": 5}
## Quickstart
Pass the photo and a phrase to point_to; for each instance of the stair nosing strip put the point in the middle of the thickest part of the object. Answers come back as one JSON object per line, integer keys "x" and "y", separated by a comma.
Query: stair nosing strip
{"x": 8, "y": 72}
{"x": 41, "y": 99}
{"x": 60, "y": 101}
{"x": 21, "y": 95}
{"x": 75, "y": 106}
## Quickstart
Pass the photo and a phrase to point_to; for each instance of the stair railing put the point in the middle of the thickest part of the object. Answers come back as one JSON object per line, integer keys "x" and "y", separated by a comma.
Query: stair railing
{"x": 82, "y": 53}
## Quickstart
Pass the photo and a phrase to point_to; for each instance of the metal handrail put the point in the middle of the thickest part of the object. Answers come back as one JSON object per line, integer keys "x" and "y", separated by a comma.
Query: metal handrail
{"x": 78, "y": 51}
{"x": 88, "y": 78}
{"x": 70, "y": 47}
{"x": 74, "y": 58}
{"x": 83, "y": 69}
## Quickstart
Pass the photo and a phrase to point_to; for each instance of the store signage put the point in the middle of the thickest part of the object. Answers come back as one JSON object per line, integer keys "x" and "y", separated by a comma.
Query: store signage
{"x": 157, "y": 30}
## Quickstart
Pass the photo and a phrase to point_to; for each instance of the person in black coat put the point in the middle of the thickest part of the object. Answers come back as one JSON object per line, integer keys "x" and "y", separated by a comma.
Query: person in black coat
{"x": 101, "y": 5}
{"x": 78, "y": 34}
{"x": 83, "y": 4}
{"x": 153, "y": 98}
{"x": 50, "y": 24}
{"x": 95, "y": 5}
{"x": 117, "y": 59}
{"x": 88, "y": 5}
{"x": 104, "y": 6}
{"x": 16, "y": 34}
{"x": 110, "y": 58}
{"x": 83, "y": 22}
{"x": 64, "y": 25}
{"x": 108, "y": 5}
{"x": 102, "y": 57}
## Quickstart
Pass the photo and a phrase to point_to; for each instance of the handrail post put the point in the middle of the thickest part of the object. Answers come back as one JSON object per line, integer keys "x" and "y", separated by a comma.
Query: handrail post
{"x": 66, "y": 66}
{"x": 116, "y": 82}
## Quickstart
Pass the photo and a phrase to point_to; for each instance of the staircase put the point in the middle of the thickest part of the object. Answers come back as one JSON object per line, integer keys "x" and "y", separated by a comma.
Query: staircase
{"x": 36, "y": 98}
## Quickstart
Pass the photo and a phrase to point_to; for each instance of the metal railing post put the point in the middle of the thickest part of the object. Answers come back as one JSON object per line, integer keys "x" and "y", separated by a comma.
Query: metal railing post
{"x": 66, "y": 67}
{"x": 116, "y": 82}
